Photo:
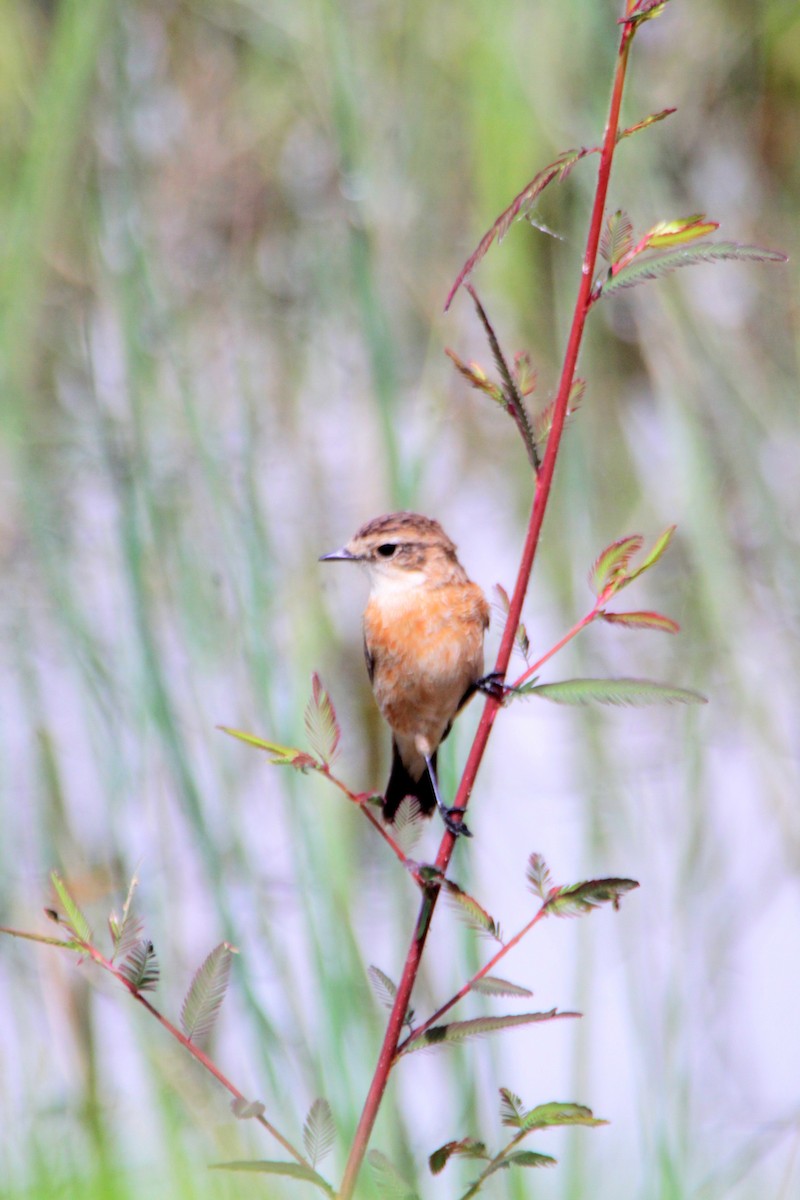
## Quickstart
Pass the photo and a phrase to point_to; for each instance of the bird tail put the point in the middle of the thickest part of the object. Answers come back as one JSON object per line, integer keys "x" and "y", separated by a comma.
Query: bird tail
{"x": 401, "y": 784}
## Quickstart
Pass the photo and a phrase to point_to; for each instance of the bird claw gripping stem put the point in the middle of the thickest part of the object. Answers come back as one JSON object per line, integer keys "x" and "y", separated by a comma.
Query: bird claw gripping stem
{"x": 454, "y": 821}
{"x": 494, "y": 685}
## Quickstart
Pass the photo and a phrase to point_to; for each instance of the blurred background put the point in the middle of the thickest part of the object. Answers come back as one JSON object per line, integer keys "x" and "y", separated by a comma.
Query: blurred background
{"x": 228, "y": 230}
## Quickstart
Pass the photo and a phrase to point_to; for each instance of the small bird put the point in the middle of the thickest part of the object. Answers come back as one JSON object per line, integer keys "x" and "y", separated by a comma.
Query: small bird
{"x": 424, "y": 625}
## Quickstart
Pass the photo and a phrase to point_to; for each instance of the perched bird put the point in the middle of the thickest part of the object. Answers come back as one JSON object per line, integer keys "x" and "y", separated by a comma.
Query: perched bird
{"x": 424, "y": 625}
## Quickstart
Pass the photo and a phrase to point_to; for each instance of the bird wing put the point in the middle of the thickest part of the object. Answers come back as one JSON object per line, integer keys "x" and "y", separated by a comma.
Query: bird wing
{"x": 370, "y": 661}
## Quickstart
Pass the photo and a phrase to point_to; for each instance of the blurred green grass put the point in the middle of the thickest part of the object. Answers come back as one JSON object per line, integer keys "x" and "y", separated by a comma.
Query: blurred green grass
{"x": 229, "y": 231}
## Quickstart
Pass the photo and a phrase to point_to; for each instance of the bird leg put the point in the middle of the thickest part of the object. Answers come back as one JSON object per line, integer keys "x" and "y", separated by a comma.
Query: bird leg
{"x": 453, "y": 817}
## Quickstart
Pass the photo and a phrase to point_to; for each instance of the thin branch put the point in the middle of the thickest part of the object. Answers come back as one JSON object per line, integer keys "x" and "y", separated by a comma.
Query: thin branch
{"x": 362, "y": 799}
{"x": 477, "y": 1184}
{"x": 195, "y": 1051}
{"x": 501, "y": 953}
{"x": 514, "y": 402}
{"x": 573, "y": 632}
{"x": 391, "y": 1037}
{"x": 545, "y": 478}
{"x": 544, "y": 483}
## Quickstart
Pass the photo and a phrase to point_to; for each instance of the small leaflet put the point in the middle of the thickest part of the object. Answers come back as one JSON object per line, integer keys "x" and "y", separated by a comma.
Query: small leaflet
{"x": 322, "y": 726}
{"x": 206, "y": 993}
{"x": 141, "y": 968}
{"x": 319, "y": 1131}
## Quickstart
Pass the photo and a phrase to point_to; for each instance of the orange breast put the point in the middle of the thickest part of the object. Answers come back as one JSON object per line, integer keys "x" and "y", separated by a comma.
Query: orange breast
{"x": 426, "y": 645}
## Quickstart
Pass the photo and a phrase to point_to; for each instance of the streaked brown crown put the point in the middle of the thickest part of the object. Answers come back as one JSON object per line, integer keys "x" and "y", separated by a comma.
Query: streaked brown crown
{"x": 404, "y": 538}
{"x": 405, "y": 527}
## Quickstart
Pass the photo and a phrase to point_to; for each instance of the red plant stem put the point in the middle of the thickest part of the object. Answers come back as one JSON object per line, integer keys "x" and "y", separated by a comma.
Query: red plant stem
{"x": 390, "y": 1041}
{"x": 544, "y": 483}
{"x": 544, "y": 479}
{"x": 501, "y": 953}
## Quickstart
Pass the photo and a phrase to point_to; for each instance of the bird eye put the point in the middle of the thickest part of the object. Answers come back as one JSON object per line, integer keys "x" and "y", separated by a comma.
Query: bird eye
{"x": 387, "y": 549}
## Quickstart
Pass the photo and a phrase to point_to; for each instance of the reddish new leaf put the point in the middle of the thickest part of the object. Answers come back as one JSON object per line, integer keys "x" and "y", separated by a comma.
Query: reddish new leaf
{"x": 322, "y": 726}
{"x": 519, "y": 207}
{"x": 524, "y": 373}
{"x": 679, "y": 232}
{"x": 646, "y": 123}
{"x": 611, "y": 564}
{"x": 617, "y": 237}
{"x": 477, "y": 377}
{"x": 645, "y": 10}
{"x": 652, "y": 556}
{"x": 538, "y": 876}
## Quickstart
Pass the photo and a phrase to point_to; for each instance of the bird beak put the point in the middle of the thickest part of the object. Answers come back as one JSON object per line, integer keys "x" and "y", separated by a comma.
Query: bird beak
{"x": 342, "y": 555}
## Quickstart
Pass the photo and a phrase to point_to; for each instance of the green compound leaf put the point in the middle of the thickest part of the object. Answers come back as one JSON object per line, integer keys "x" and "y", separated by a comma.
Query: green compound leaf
{"x": 655, "y": 266}
{"x": 73, "y": 920}
{"x": 632, "y": 693}
{"x": 476, "y": 917}
{"x": 390, "y": 1183}
{"x": 460, "y": 1031}
{"x": 490, "y": 985}
{"x": 556, "y": 1113}
{"x": 206, "y": 993}
{"x": 522, "y": 1158}
{"x": 319, "y": 1131}
{"x": 282, "y": 756}
{"x": 642, "y": 620}
{"x": 385, "y": 989}
{"x": 679, "y": 232}
{"x": 291, "y": 1170}
{"x": 64, "y": 943}
{"x": 652, "y": 556}
{"x": 580, "y": 898}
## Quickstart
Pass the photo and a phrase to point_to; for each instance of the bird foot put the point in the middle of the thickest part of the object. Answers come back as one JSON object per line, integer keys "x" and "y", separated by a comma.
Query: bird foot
{"x": 453, "y": 819}
{"x": 493, "y": 685}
